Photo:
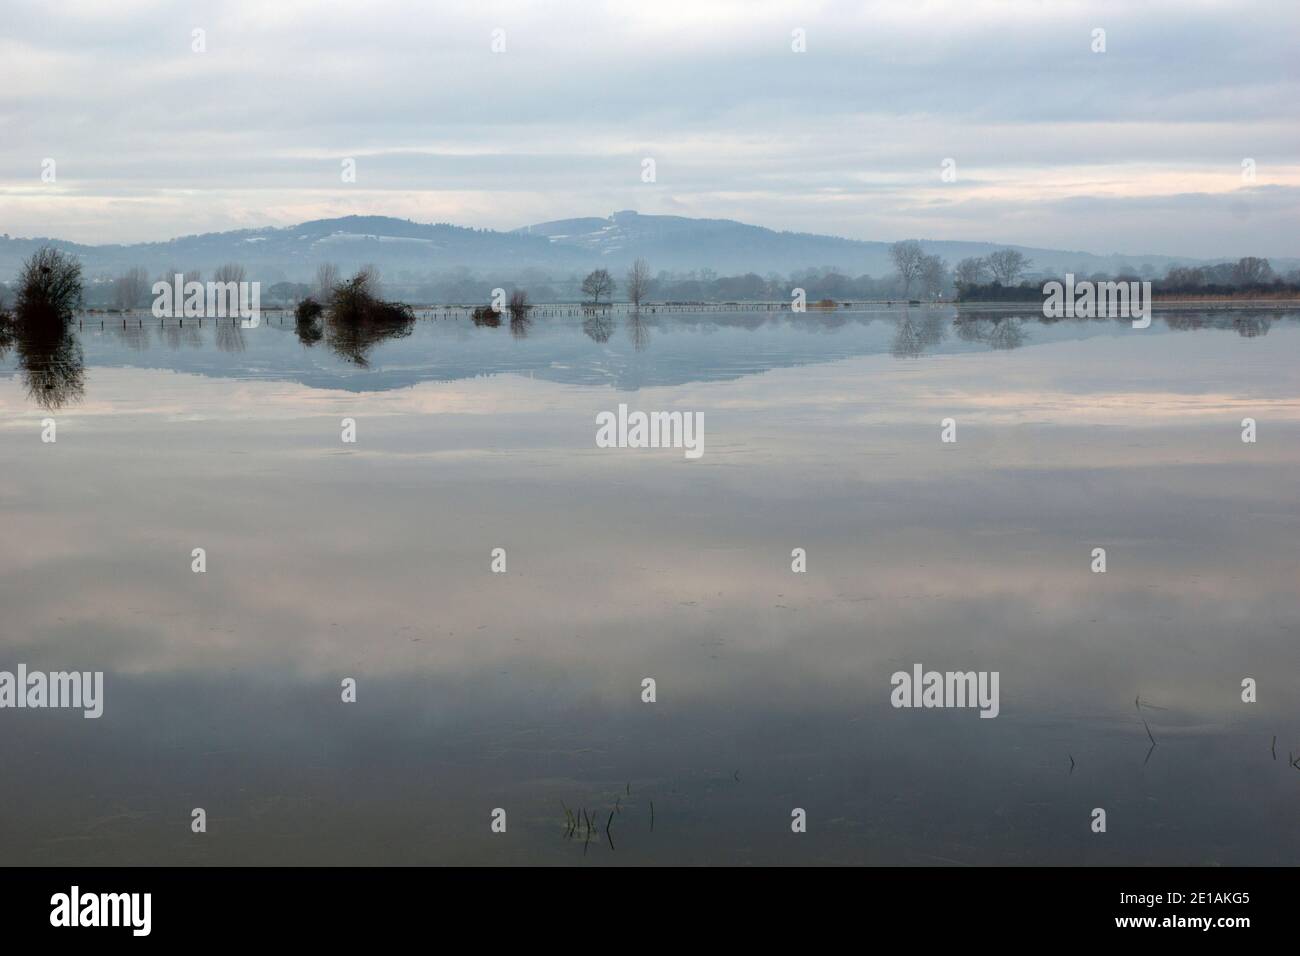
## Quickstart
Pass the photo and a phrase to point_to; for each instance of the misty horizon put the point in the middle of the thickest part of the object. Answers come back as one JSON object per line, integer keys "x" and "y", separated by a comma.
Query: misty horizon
{"x": 537, "y": 227}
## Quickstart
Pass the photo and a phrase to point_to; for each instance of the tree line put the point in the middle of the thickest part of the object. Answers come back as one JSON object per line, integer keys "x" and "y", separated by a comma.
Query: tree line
{"x": 1003, "y": 275}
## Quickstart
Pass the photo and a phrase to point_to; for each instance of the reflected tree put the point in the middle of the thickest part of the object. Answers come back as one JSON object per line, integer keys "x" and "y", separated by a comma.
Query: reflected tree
{"x": 598, "y": 328}
{"x": 913, "y": 337}
{"x": 996, "y": 331}
{"x": 1251, "y": 326}
{"x": 230, "y": 337}
{"x": 54, "y": 369}
{"x": 1006, "y": 333}
{"x": 307, "y": 321}
{"x": 638, "y": 331}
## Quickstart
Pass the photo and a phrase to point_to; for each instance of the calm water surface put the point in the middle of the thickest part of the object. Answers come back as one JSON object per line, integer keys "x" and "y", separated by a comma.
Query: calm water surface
{"x": 523, "y": 690}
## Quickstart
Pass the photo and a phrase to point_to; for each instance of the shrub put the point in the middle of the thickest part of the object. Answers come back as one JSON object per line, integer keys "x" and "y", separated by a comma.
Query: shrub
{"x": 49, "y": 287}
{"x": 308, "y": 310}
{"x": 358, "y": 319}
{"x": 486, "y": 315}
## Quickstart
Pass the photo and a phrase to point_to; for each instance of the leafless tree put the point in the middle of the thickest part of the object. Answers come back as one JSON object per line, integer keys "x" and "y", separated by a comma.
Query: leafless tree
{"x": 1251, "y": 271}
{"x": 971, "y": 271}
{"x": 1007, "y": 265}
{"x": 230, "y": 272}
{"x": 370, "y": 278}
{"x": 1184, "y": 277}
{"x": 908, "y": 259}
{"x": 597, "y": 285}
{"x": 327, "y": 277}
{"x": 934, "y": 275}
{"x": 638, "y": 282}
{"x": 519, "y": 304}
{"x": 130, "y": 289}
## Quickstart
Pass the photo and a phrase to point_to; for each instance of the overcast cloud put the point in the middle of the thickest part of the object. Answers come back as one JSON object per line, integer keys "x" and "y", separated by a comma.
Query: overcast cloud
{"x": 1135, "y": 150}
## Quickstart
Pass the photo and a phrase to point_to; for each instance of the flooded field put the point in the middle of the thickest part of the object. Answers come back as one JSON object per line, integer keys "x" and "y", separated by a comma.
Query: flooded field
{"x": 514, "y": 680}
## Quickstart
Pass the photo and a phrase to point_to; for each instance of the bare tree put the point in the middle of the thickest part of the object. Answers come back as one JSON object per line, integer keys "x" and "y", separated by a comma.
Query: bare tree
{"x": 369, "y": 276}
{"x": 1007, "y": 265}
{"x": 519, "y": 304}
{"x": 908, "y": 260}
{"x": 1184, "y": 277}
{"x": 327, "y": 277}
{"x": 130, "y": 289}
{"x": 598, "y": 284}
{"x": 638, "y": 282}
{"x": 230, "y": 272}
{"x": 1251, "y": 271}
{"x": 971, "y": 271}
{"x": 934, "y": 275}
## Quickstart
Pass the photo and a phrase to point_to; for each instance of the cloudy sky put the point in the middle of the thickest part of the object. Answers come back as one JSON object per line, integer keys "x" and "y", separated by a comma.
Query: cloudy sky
{"x": 1138, "y": 149}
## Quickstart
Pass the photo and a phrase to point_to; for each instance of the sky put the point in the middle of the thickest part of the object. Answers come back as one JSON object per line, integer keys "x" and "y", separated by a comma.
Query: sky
{"x": 1181, "y": 138}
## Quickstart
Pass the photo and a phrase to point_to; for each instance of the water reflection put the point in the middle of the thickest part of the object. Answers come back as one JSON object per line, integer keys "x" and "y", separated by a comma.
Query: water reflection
{"x": 50, "y": 356}
{"x": 181, "y": 336}
{"x": 522, "y": 689}
{"x": 915, "y": 336}
{"x": 997, "y": 331}
{"x": 638, "y": 331}
{"x": 684, "y": 346}
{"x": 352, "y": 335}
{"x": 230, "y": 335}
{"x": 308, "y": 329}
{"x": 1250, "y": 326}
{"x": 598, "y": 328}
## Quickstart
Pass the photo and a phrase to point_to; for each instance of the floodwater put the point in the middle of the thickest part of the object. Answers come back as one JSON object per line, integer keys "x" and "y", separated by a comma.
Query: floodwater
{"x": 522, "y": 690}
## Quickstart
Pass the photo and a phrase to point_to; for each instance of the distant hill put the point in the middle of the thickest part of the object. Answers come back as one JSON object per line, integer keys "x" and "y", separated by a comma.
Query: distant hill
{"x": 294, "y": 252}
{"x": 560, "y": 248}
{"x": 678, "y": 243}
